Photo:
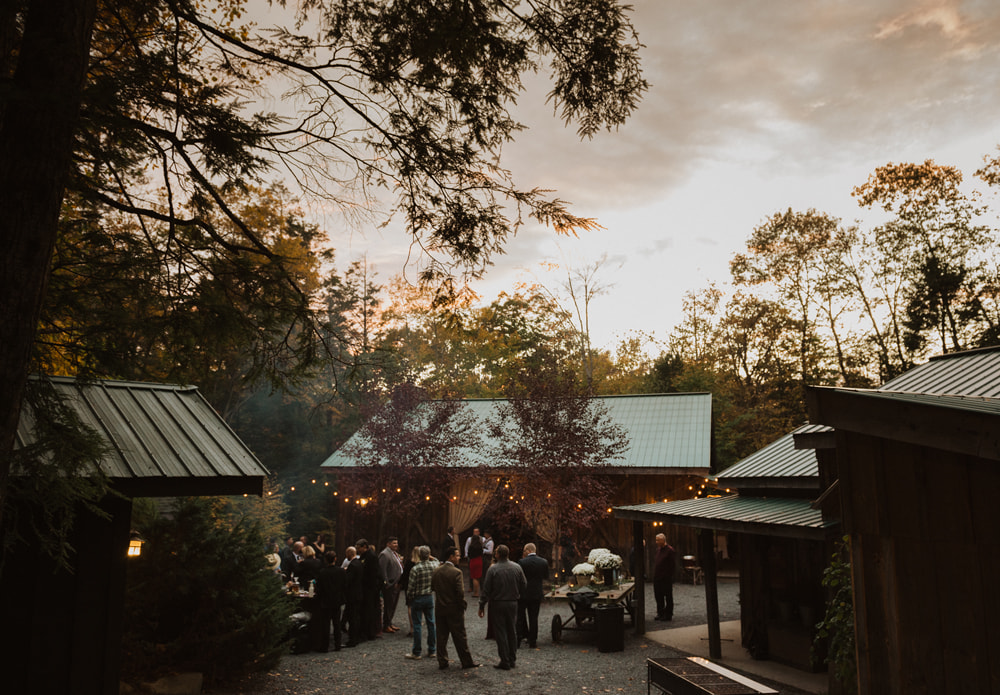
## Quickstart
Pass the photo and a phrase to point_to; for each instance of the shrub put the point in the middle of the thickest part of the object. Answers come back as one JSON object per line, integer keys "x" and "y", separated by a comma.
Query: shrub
{"x": 199, "y": 598}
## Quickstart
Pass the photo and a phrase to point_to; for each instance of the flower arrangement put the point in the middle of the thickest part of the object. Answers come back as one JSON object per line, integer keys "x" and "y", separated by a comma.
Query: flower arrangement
{"x": 604, "y": 559}
{"x": 584, "y": 569}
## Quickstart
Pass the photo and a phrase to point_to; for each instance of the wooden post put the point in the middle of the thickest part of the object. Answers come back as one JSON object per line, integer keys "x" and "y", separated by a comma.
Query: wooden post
{"x": 639, "y": 562}
{"x": 706, "y": 552}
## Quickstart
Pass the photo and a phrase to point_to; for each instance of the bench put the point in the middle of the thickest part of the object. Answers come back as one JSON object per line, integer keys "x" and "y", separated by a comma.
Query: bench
{"x": 696, "y": 676}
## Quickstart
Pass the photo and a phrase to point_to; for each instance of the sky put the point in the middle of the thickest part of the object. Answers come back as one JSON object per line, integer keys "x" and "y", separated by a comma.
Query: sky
{"x": 754, "y": 107}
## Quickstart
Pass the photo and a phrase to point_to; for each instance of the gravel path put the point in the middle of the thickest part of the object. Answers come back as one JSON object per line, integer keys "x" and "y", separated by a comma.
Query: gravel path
{"x": 574, "y": 666}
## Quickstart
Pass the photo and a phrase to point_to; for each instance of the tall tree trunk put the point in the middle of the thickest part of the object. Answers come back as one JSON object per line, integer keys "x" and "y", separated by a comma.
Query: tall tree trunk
{"x": 38, "y": 116}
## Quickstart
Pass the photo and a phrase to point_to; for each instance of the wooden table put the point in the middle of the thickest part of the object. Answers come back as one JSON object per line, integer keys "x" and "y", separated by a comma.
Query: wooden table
{"x": 584, "y": 616}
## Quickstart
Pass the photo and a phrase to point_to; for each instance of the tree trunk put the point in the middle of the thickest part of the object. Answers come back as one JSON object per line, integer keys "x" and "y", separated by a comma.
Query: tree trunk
{"x": 37, "y": 121}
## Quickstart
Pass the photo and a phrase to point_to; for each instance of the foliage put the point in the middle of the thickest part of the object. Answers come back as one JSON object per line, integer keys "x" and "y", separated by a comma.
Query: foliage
{"x": 553, "y": 441}
{"x": 199, "y": 598}
{"x": 52, "y": 477}
{"x": 407, "y": 453}
{"x": 837, "y": 625}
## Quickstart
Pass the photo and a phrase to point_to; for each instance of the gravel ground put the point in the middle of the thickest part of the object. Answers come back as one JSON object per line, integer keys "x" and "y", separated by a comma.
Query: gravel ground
{"x": 574, "y": 666}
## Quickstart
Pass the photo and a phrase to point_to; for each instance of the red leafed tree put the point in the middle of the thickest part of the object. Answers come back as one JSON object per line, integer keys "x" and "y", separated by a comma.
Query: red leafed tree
{"x": 408, "y": 453}
{"x": 556, "y": 443}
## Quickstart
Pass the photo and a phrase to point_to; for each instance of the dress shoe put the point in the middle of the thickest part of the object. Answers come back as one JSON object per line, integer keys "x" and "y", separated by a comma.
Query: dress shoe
{"x": 470, "y": 665}
{"x": 502, "y": 667}
{"x": 412, "y": 656}
{"x": 442, "y": 666}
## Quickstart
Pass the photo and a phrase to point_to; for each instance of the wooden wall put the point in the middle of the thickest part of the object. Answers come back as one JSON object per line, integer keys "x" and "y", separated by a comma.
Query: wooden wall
{"x": 925, "y": 543}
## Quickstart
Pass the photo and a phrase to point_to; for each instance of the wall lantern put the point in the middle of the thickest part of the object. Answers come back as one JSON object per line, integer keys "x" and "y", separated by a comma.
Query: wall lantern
{"x": 135, "y": 544}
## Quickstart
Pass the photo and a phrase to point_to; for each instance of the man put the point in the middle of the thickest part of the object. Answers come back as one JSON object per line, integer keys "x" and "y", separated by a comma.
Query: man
{"x": 371, "y": 589}
{"x": 487, "y": 550}
{"x": 353, "y": 601}
{"x": 331, "y": 594}
{"x": 450, "y": 540}
{"x": 391, "y": 567}
{"x": 448, "y": 586}
{"x": 349, "y": 555}
{"x": 421, "y": 600}
{"x": 288, "y": 558}
{"x": 663, "y": 578}
{"x": 536, "y": 572}
{"x": 503, "y": 586}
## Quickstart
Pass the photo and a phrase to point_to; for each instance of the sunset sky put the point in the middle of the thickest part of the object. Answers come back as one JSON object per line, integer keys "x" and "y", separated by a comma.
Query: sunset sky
{"x": 754, "y": 107}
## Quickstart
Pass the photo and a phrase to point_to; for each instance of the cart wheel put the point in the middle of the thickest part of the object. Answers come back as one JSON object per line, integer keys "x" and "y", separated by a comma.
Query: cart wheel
{"x": 557, "y": 627}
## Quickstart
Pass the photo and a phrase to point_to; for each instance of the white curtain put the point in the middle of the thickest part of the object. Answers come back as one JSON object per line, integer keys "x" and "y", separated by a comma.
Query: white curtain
{"x": 467, "y": 500}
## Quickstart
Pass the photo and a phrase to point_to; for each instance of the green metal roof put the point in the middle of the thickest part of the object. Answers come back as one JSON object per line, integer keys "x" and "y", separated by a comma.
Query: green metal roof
{"x": 162, "y": 439}
{"x": 968, "y": 373}
{"x": 779, "y": 464}
{"x": 666, "y": 432}
{"x": 772, "y": 516}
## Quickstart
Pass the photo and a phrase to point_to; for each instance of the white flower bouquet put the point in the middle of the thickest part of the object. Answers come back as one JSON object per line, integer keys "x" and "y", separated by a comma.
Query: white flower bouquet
{"x": 584, "y": 569}
{"x": 604, "y": 559}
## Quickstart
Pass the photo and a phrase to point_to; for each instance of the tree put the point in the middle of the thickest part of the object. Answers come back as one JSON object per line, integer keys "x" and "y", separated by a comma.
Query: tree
{"x": 409, "y": 98}
{"x": 552, "y": 440}
{"x": 935, "y": 232}
{"x": 407, "y": 453}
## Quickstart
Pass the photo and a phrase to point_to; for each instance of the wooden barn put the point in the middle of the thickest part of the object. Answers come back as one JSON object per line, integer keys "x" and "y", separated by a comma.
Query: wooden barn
{"x": 669, "y": 457}
{"x": 777, "y": 536}
{"x": 918, "y": 462}
{"x": 64, "y": 629}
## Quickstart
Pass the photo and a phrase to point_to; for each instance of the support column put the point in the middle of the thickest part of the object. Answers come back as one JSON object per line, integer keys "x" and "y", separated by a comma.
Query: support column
{"x": 639, "y": 563}
{"x": 706, "y": 557}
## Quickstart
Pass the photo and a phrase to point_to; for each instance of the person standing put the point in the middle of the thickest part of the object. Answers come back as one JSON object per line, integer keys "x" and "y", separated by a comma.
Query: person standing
{"x": 536, "y": 572}
{"x": 371, "y": 588}
{"x": 663, "y": 578}
{"x": 503, "y": 586}
{"x": 474, "y": 551}
{"x": 450, "y": 541}
{"x": 391, "y": 567}
{"x": 331, "y": 594}
{"x": 353, "y": 601}
{"x": 487, "y": 550}
{"x": 421, "y": 599}
{"x": 448, "y": 586}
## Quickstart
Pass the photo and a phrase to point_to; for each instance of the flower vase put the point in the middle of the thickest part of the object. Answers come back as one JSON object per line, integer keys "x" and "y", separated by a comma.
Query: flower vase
{"x": 582, "y": 580}
{"x": 610, "y": 576}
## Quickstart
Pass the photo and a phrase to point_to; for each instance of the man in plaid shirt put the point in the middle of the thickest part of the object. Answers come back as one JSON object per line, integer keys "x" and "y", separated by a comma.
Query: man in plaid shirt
{"x": 418, "y": 590}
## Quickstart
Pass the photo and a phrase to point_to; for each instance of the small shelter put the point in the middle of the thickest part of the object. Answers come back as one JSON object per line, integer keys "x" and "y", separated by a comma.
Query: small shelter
{"x": 64, "y": 629}
{"x": 780, "y": 537}
{"x": 669, "y": 457}
{"x": 918, "y": 462}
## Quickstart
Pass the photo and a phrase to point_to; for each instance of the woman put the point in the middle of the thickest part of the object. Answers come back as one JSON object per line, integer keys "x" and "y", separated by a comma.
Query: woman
{"x": 475, "y": 552}
{"x": 308, "y": 569}
{"x": 404, "y": 581}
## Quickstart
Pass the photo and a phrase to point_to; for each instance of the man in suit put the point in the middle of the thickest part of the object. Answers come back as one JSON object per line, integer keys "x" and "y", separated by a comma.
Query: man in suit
{"x": 352, "y": 601}
{"x": 450, "y": 539}
{"x": 391, "y": 567}
{"x": 448, "y": 585}
{"x": 331, "y": 593}
{"x": 536, "y": 572}
{"x": 371, "y": 588}
{"x": 663, "y": 578}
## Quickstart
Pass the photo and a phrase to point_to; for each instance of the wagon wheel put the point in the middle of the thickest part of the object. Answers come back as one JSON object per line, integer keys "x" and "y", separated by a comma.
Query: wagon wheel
{"x": 557, "y": 628}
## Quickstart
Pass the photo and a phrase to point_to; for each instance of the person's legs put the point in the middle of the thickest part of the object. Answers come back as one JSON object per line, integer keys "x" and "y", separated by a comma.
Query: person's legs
{"x": 428, "y": 611}
{"x": 443, "y": 630}
{"x": 337, "y": 634}
{"x": 533, "y": 607}
{"x": 522, "y": 620}
{"x": 660, "y": 595}
{"x": 416, "y": 625}
{"x": 668, "y": 600}
{"x": 458, "y": 636}
{"x": 504, "y": 615}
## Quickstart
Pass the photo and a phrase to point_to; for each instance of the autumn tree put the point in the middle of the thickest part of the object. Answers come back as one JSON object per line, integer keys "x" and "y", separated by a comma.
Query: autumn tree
{"x": 407, "y": 100}
{"x": 553, "y": 441}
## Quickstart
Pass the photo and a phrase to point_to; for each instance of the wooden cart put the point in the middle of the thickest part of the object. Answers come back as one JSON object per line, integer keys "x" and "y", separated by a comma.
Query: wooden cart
{"x": 583, "y": 617}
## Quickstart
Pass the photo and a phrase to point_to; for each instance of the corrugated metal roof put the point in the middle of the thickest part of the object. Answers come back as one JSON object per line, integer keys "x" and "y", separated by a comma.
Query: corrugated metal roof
{"x": 670, "y": 431}
{"x": 158, "y": 434}
{"x": 979, "y": 404}
{"x": 969, "y": 373}
{"x": 763, "y": 515}
{"x": 778, "y": 460}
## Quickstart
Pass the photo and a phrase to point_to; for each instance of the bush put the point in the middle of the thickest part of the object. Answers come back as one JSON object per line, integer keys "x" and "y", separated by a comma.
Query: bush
{"x": 199, "y": 598}
{"x": 838, "y": 623}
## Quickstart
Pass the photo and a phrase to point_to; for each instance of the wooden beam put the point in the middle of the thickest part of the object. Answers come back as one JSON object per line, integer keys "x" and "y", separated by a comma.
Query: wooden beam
{"x": 706, "y": 553}
{"x": 639, "y": 555}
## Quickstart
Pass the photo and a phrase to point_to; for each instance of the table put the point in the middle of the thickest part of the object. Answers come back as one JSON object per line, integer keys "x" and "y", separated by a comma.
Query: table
{"x": 696, "y": 676}
{"x": 584, "y": 616}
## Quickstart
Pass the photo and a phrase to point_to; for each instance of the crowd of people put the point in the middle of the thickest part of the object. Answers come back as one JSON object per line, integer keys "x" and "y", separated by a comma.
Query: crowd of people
{"x": 356, "y": 598}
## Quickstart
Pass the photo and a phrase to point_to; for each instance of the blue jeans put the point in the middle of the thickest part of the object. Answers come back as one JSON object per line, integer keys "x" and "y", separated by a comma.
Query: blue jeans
{"x": 424, "y": 606}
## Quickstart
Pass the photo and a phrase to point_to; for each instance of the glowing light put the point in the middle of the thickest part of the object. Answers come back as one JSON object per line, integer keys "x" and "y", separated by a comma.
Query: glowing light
{"x": 398, "y": 489}
{"x": 293, "y": 488}
{"x": 427, "y": 497}
{"x": 326, "y": 483}
{"x": 134, "y": 548}
{"x": 314, "y": 481}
